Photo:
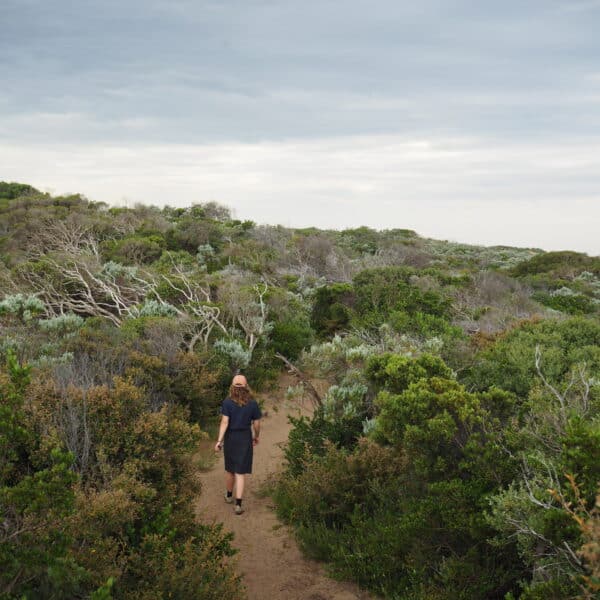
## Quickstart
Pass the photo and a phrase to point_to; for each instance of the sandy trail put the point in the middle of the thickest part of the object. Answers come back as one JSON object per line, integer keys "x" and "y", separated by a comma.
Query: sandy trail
{"x": 269, "y": 559}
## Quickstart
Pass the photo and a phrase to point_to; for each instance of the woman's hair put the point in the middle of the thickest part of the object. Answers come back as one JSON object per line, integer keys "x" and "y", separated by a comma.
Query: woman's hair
{"x": 240, "y": 394}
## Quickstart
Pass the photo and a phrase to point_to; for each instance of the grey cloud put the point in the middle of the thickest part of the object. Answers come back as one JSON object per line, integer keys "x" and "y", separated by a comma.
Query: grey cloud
{"x": 273, "y": 70}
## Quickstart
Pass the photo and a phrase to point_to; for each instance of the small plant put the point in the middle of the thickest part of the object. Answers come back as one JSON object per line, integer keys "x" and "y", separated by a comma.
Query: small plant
{"x": 239, "y": 357}
{"x": 21, "y": 306}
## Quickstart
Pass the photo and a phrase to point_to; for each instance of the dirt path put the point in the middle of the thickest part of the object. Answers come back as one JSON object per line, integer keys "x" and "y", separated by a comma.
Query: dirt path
{"x": 269, "y": 559}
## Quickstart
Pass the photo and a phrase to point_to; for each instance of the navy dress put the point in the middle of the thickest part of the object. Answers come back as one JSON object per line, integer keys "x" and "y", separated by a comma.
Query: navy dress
{"x": 237, "y": 447}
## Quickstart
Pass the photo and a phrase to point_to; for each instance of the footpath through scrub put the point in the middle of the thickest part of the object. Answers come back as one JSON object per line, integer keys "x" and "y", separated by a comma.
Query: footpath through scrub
{"x": 269, "y": 559}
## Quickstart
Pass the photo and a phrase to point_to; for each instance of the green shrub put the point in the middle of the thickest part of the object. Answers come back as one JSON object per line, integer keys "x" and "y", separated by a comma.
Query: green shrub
{"x": 381, "y": 291}
{"x": 332, "y": 308}
{"x": 510, "y": 363}
{"x": 309, "y": 437}
{"x": 134, "y": 249}
{"x": 404, "y": 514}
{"x": 36, "y": 497}
{"x": 572, "y": 304}
{"x": 289, "y": 338}
{"x": 395, "y": 373}
{"x": 361, "y": 240}
{"x": 10, "y": 191}
{"x": 558, "y": 263}
{"x": 334, "y": 482}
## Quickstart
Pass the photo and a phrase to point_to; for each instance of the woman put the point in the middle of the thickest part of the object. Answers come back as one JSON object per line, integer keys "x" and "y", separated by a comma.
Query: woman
{"x": 238, "y": 432}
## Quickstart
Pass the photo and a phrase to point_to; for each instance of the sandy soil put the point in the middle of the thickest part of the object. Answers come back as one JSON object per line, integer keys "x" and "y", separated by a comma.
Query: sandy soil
{"x": 269, "y": 559}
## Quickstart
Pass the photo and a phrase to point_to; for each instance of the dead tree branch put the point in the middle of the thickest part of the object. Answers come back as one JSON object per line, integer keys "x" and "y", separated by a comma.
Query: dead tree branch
{"x": 303, "y": 379}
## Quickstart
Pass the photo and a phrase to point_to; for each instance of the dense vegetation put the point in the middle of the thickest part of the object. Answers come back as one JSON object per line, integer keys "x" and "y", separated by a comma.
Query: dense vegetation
{"x": 456, "y": 454}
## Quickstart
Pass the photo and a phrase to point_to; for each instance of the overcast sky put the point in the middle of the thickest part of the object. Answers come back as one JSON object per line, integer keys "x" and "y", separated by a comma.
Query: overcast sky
{"x": 474, "y": 121}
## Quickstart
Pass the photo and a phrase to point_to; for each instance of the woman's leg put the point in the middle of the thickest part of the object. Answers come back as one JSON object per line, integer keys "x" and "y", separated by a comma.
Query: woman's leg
{"x": 239, "y": 486}
{"x": 229, "y": 479}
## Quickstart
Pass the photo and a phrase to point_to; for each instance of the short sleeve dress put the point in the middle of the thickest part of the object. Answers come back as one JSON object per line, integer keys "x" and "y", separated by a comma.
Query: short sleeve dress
{"x": 238, "y": 449}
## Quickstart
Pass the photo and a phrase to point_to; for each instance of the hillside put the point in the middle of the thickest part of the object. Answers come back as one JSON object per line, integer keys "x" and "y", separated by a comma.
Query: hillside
{"x": 454, "y": 451}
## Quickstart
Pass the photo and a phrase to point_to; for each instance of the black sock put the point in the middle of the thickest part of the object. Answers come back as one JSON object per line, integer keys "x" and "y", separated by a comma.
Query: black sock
{"x": 238, "y": 501}
{"x": 229, "y": 494}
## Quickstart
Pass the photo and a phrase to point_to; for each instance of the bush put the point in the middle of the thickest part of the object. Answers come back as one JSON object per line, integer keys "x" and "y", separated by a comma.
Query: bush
{"x": 404, "y": 513}
{"x": 237, "y": 356}
{"x": 563, "y": 263}
{"x": 310, "y": 436}
{"x": 334, "y": 482}
{"x": 331, "y": 308}
{"x": 36, "y": 496}
{"x": 510, "y": 363}
{"x": 383, "y": 291}
{"x": 395, "y": 373}
{"x": 10, "y": 191}
{"x": 264, "y": 367}
{"x": 572, "y": 304}
{"x": 135, "y": 249}
{"x": 289, "y": 338}
{"x": 134, "y": 498}
{"x": 200, "y": 383}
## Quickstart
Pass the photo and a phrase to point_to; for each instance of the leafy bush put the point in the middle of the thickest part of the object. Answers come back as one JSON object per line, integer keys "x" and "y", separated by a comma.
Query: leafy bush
{"x": 510, "y": 362}
{"x": 153, "y": 308}
{"x": 331, "y": 308}
{"x": 310, "y": 436}
{"x": 570, "y": 303}
{"x": 22, "y": 307}
{"x": 10, "y": 191}
{"x": 238, "y": 356}
{"x": 290, "y": 337}
{"x": 333, "y": 357}
{"x": 126, "y": 503}
{"x": 346, "y": 400}
{"x": 404, "y": 514}
{"x": 147, "y": 351}
{"x": 36, "y": 496}
{"x": 134, "y": 249}
{"x": 395, "y": 373}
{"x": 62, "y": 325}
{"x": 558, "y": 263}
{"x": 381, "y": 292}
{"x": 559, "y": 433}
{"x": 361, "y": 240}
{"x": 333, "y": 482}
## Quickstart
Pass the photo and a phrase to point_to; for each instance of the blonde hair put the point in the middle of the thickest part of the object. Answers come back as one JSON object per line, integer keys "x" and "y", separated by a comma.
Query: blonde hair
{"x": 241, "y": 395}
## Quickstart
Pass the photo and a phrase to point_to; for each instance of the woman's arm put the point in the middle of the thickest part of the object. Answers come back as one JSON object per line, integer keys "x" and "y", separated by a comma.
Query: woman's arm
{"x": 256, "y": 427}
{"x": 222, "y": 429}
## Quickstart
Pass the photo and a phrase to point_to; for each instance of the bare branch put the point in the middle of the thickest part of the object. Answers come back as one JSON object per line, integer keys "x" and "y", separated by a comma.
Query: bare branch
{"x": 303, "y": 379}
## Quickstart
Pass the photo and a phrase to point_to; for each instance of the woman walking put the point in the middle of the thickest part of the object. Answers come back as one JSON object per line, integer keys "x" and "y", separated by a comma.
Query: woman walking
{"x": 238, "y": 434}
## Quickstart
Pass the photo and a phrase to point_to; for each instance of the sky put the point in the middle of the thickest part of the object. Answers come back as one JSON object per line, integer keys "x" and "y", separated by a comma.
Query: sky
{"x": 473, "y": 121}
